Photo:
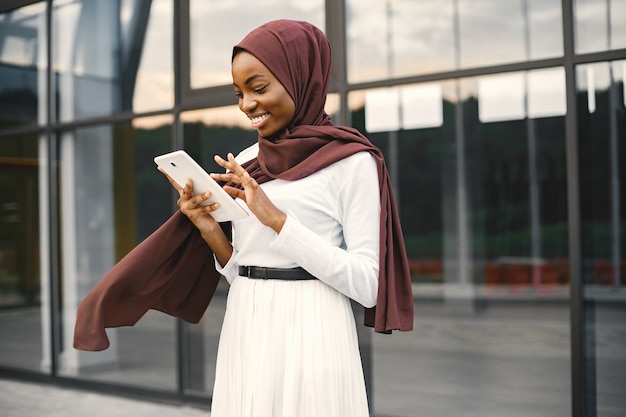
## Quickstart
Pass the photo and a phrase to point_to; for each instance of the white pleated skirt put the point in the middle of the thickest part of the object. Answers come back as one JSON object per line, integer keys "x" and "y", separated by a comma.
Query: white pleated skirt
{"x": 288, "y": 349}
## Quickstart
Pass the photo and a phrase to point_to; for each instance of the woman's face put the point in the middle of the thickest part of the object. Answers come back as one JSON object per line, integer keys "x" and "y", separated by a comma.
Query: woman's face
{"x": 261, "y": 96}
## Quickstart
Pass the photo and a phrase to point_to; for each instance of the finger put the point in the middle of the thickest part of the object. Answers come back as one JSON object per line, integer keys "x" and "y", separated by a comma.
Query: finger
{"x": 228, "y": 177}
{"x": 170, "y": 179}
{"x": 210, "y": 207}
{"x": 230, "y": 164}
{"x": 198, "y": 200}
{"x": 186, "y": 192}
{"x": 234, "y": 166}
{"x": 235, "y": 192}
{"x": 221, "y": 162}
{"x": 248, "y": 181}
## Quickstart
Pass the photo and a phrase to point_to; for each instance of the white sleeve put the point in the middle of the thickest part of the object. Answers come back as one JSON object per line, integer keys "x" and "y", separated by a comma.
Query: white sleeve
{"x": 230, "y": 271}
{"x": 352, "y": 270}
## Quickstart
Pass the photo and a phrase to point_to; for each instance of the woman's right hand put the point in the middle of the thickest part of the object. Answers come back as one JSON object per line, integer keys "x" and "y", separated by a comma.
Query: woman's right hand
{"x": 191, "y": 206}
{"x": 210, "y": 230}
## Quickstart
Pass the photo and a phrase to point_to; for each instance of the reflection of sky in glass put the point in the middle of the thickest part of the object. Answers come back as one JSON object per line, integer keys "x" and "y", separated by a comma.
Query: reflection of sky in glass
{"x": 19, "y": 31}
{"x": 515, "y": 96}
{"x": 600, "y": 25}
{"x": 217, "y": 25}
{"x": 402, "y": 37}
{"x": 154, "y": 87}
{"x": 398, "y": 38}
{"x": 415, "y": 106}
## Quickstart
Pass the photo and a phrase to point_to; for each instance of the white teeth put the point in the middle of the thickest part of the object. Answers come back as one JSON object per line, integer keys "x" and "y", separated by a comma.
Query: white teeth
{"x": 258, "y": 119}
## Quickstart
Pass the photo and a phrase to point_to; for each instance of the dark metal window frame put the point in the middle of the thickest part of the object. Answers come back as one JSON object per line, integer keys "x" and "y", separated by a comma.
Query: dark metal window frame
{"x": 186, "y": 98}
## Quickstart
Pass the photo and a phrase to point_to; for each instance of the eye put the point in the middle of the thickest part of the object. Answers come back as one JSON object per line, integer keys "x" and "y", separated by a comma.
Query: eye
{"x": 260, "y": 90}
{"x": 238, "y": 94}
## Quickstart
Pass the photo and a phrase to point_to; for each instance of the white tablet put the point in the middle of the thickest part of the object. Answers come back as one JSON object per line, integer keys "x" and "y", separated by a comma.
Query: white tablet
{"x": 180, "y": 166}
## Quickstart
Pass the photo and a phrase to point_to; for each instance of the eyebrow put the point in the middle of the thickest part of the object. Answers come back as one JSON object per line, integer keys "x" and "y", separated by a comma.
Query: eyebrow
{"x": 250, "y": 79}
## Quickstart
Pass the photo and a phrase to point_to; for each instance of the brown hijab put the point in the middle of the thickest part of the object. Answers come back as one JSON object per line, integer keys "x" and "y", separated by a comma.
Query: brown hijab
{"x": 299, "y": 56}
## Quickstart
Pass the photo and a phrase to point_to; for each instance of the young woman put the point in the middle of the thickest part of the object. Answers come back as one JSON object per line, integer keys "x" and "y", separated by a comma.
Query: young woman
{"x": 288, "y": 346}
{"x": 323, "y": 229}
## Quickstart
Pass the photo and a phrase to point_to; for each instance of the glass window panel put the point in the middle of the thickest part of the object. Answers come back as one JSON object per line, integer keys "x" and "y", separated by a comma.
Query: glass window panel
{"x": 546, "y": 93}
{"x": 382, "y": 110}
{"x": 154, "y": 85}
{"x": 23, "y": 264}
{"x": 422, "y": 106}
{"x": 112, "y": 197}
{"x": 119, "y": 52}
{"x": 216, "y": 26}
{"x": 501, "y": 97}
{"x": 618, "y": 24}
{"x": 495, "y": 32}
{"x": 545, "y": 28}
{"x": 515, "y": 96}
{"x": 601, "y": 135}
{"x": 491, "y": 32}
{"x": 488, "y": 252}
{"x": 591, "y": 25}
{"x": 396, "y": 38}
{"x": 23, "y": 61}
{"x": 599, "y": 25}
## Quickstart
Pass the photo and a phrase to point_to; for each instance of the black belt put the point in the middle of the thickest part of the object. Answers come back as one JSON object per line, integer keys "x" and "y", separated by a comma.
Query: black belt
{"x": 274, "y": 273}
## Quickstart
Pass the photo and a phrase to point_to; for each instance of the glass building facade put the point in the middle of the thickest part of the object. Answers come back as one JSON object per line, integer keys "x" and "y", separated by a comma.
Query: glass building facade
{"x": 503, "y": 124}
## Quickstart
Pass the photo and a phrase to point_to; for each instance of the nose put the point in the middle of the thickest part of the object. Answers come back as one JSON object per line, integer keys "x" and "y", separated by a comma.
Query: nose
{"x": 246, "y": 104}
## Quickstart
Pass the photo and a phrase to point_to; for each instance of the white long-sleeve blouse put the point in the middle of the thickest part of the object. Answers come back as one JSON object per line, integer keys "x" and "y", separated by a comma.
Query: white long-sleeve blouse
{"x": 332, "y": 228}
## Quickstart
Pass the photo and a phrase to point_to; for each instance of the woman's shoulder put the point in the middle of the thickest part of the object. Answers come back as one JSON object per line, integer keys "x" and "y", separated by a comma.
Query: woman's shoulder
{"x": 359, "y": 160}
{"x": 248, "y": 153}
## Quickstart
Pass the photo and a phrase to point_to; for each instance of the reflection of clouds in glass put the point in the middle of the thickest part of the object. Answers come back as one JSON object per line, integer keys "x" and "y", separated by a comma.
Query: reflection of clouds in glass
{"x": 425, "y": 37}
{"x": 422, "y": 35}
{"x": 216, "y": 26}
{"x": 490, "y": 32}
{"x": 599, "y": 28}
{"x": 545, "y": 28}
{"x": 153, "y": 91}
{"x": 590, "y": 25}
{"x": 154, "y": 85}
{"x": 618, "y": 24}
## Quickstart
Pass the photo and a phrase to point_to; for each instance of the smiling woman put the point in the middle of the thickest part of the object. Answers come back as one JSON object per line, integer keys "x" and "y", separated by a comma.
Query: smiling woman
{"x": 261, "y": 96}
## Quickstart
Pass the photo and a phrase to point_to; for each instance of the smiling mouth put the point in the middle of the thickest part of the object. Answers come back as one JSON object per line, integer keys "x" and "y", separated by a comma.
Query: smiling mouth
{"x": 257, "y": 120}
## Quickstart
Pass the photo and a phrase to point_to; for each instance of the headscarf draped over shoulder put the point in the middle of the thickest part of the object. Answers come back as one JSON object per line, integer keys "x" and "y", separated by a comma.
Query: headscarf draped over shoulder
{"x": 299, "y": 55}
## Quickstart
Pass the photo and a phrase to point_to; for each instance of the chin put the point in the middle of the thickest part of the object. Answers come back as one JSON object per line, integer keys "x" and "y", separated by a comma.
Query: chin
{"x": 270, "y": 135}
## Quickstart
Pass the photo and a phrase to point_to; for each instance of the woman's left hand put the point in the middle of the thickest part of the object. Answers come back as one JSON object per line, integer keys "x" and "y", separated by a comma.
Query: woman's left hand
{"x": 256, "y": 199}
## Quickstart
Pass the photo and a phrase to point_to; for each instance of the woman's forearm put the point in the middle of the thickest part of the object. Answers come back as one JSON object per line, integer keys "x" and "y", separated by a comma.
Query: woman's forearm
{"x": 220, "y": 245}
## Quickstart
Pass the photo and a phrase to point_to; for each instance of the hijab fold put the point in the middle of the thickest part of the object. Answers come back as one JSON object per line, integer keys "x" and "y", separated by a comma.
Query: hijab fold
{"x": 173, "y": 270}
{"x": 298, "y": 54}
